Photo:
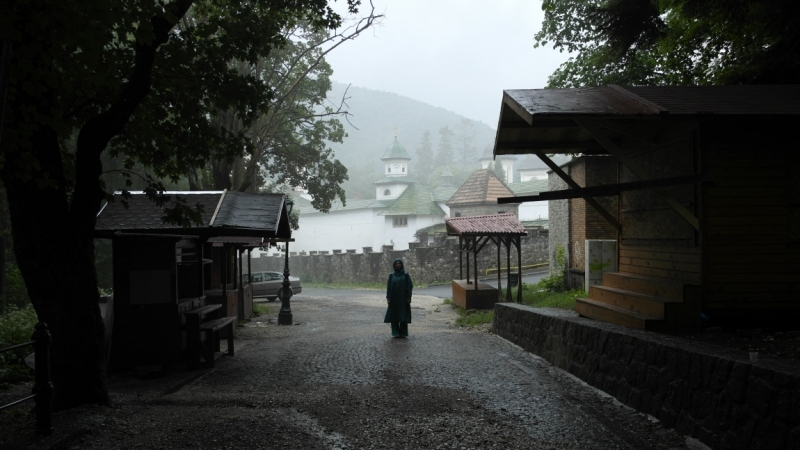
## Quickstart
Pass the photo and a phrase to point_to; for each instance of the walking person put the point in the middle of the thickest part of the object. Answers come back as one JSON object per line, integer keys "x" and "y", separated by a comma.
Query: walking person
{"x": 398, "y": 300}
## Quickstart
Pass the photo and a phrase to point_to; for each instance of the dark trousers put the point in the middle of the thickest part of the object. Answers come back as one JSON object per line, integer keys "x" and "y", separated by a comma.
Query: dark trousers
{"x": 399, "y": 329}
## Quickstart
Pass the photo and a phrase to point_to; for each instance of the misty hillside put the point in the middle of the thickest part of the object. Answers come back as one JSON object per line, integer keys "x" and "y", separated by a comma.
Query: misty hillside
{"x": 373, "y": 116}
{"x": 376, "y": 113}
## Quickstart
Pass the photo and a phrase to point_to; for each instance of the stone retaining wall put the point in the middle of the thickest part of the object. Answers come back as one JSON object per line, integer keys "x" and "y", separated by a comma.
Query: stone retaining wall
{"x": 425, "y": 264}
{"x": 708, "y": 392}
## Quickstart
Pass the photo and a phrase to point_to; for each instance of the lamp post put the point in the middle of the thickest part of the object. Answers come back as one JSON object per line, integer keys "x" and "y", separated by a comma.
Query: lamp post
{"x": 285, "y": 315}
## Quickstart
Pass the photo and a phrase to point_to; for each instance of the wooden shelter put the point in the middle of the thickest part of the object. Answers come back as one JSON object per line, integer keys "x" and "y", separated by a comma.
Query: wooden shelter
{"x": 708, "y": 211}
{"x": 164, "y": 273}
{"x": 473, "y": 234}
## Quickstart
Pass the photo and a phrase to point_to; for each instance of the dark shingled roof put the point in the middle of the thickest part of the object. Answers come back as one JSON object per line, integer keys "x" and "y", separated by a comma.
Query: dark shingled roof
{"x": 224, "y": 214}
{"x": 482, "y": 186}
{"x": 485, "y": 225}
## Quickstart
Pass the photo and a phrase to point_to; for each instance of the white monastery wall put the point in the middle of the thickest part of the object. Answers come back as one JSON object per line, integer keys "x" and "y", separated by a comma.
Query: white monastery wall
{"x": 336, "y": 230}
{"x": 533, "y": 210}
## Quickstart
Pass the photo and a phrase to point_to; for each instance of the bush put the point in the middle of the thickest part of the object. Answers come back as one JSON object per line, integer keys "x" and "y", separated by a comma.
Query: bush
{"x": 16, "y": 293}
{"x": 16, "y": 327}
{"x": 556, "y": 281}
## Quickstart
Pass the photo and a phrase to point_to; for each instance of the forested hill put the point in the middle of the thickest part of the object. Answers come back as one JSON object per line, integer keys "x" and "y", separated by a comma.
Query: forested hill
{"x": 373, "y": 116}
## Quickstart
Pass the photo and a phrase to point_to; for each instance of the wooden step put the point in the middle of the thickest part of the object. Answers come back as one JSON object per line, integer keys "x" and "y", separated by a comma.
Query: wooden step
{"x": 604, "y": 312}
{"x": 655, "y": 287}
{"x": 216, "y": 324}
{"x": 629, "y": 301}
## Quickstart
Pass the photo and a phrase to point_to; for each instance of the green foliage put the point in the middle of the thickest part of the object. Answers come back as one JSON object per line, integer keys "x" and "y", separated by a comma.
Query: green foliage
{"x": 444, "y": 151}
{"x": 16, "y": 327}
{"x": 16, "y": 293}
{"x": 472, "y": 317}
{"x": 536, "y": 295}
{"x": 556, "y": 281}
{"x": 673, "y": 42}
{"x": 497, "y": 168}
{"x": 424, "y": 164}
{"x": 260, "y": 309}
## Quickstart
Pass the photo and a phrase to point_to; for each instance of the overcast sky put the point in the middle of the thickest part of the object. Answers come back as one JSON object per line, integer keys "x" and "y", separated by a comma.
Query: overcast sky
{"x": 456, "y": 54}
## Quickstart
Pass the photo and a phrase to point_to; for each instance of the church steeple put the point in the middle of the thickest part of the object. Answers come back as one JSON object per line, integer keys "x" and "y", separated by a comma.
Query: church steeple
{"x": 396, "y": 158}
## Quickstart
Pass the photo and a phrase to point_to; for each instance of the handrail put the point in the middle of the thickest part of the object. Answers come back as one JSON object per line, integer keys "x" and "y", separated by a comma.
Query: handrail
{"x": 42, "y": 392}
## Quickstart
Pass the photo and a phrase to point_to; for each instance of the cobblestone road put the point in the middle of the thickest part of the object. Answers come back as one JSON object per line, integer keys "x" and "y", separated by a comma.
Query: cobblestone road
{"x": 340, "y": 373}
{"x": 337, "y": 380}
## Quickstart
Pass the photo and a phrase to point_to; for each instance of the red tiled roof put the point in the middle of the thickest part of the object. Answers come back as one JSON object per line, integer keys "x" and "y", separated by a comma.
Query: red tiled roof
{"x": 484, "y": 225}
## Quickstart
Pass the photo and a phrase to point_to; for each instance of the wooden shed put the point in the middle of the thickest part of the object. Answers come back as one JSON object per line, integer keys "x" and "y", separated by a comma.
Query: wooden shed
{"x": 708, "y": 190}
{"x": 162, "y": 271}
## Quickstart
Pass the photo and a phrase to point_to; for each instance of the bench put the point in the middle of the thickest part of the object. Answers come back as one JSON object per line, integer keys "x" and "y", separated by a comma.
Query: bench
{"x": 202, "y": 337}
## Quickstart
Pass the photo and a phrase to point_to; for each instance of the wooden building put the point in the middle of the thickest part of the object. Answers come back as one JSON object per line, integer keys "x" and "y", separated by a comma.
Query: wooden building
{"x": 708, "y": 211}
{"x": 162, "y": 272}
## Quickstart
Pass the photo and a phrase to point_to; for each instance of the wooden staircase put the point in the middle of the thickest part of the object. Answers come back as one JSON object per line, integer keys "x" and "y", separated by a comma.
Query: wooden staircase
{"x": 644, "y": 303}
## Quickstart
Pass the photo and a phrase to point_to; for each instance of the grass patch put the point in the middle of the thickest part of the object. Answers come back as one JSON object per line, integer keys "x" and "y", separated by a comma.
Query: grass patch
{"x": 534, "y": 295}
{"x": 260, "y": 309}
{"x": 470, "y": 318}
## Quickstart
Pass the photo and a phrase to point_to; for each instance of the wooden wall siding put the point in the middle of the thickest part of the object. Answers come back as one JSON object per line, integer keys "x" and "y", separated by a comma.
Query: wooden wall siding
{"x": 677, "y": 263}
{"x": 643, "y": 214}
{"x": 747, "y": 214}
{"x": 655, "y": 240}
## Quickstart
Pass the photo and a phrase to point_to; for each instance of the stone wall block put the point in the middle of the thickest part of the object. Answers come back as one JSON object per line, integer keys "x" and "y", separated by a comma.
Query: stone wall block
{"x": 737, "y": 383}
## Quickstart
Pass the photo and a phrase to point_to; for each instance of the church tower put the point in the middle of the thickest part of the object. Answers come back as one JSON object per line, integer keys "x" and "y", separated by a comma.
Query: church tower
{"x": 395, "y": 172}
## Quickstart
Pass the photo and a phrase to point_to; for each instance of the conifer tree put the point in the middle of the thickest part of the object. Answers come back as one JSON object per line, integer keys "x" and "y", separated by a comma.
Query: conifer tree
{"x": 444, "y": 154}
{"x": 424, "y": 157}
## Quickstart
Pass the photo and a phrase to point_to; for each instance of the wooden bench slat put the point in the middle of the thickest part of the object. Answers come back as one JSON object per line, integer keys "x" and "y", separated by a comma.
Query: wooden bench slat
{"x": 203, "y": 310}
{"x": 214, "y": 325}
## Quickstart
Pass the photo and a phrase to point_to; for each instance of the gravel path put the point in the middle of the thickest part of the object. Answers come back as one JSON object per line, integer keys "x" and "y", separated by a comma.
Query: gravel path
{"x": 337, "y": 380}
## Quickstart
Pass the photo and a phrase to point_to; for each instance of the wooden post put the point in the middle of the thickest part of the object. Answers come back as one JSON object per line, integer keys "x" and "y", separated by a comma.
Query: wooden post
{"x": 519, "y": 269}
{"x": 499, "y": 286}
{"x": 475, "y": 260}
{"x": 508, "y": 269}
{"x": 249, "y": 271}
{"x": 466, "y": 251}
{"x": 460, "y": 258}
{"x": 224, "y": 275}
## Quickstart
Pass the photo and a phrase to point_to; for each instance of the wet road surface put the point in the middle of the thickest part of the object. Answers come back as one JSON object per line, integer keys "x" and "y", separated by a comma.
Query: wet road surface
{"x": 340, "y": 373}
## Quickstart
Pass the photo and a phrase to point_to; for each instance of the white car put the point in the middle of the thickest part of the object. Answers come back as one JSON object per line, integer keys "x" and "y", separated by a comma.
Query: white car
{"x": 267, "y": 284}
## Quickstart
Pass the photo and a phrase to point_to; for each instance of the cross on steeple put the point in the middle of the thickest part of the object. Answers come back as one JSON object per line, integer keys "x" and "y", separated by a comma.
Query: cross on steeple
{"x": 395, "y": 131}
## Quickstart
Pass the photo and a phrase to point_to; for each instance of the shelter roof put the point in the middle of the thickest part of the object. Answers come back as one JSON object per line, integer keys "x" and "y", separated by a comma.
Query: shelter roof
{"x": 224, "y": 214}
{"x": 495, "y": 224}
{"x": 395, "y": 151}
{"x": 547, "y": 119}
{"x": 482, "y": 186}
{"x": 244, "y": 240}
{"x": 415, "y": 200}
{"x": 530, "y": 187}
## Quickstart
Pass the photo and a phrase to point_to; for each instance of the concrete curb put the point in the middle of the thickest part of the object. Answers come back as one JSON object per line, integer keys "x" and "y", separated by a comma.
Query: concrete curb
{"x": 705, "y": 391}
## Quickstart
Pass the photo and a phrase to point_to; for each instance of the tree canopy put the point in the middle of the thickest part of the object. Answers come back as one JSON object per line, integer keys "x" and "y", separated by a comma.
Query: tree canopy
{"x": 140, "y": 79}
{"x": 673, "y": 42}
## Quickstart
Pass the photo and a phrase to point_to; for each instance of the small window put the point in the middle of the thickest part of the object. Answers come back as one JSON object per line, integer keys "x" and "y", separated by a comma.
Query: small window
{"x": 387, "y": 192}
{"x": 458, "y": 214}
{"x": 400, "y": 222}
{"x": 501, "y": 212}
{"x": 389, "y": 169}
{"x": 403, "y": 170}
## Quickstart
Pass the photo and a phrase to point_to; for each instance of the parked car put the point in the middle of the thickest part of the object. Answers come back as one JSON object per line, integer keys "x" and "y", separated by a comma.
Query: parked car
{"x": 268, "y": 284}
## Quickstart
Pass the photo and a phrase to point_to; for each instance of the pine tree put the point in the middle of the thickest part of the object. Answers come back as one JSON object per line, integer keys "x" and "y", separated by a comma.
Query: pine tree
{"x": 444, "y": 154}
{"x": 424, "y": 165}
{"x": 497, "y": 168}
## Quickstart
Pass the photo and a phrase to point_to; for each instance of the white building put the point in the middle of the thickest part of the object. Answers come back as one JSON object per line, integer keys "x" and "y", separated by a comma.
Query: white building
{"x": 505, "y": 161}
{"x": 533, "y": 169}
{"x": 401, "y": 207}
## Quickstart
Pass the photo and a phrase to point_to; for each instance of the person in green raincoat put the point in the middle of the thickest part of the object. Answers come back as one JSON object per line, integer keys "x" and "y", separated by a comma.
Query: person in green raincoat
{"x": 398, "y": 299}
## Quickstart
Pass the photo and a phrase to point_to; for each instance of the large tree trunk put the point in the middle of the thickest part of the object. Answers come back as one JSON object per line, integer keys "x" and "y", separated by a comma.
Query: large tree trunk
{"x": 55, "y": 254}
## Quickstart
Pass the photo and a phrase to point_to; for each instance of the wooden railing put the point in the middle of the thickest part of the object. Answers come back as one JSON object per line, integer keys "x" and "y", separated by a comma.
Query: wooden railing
{"x": 42, "y": 392}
